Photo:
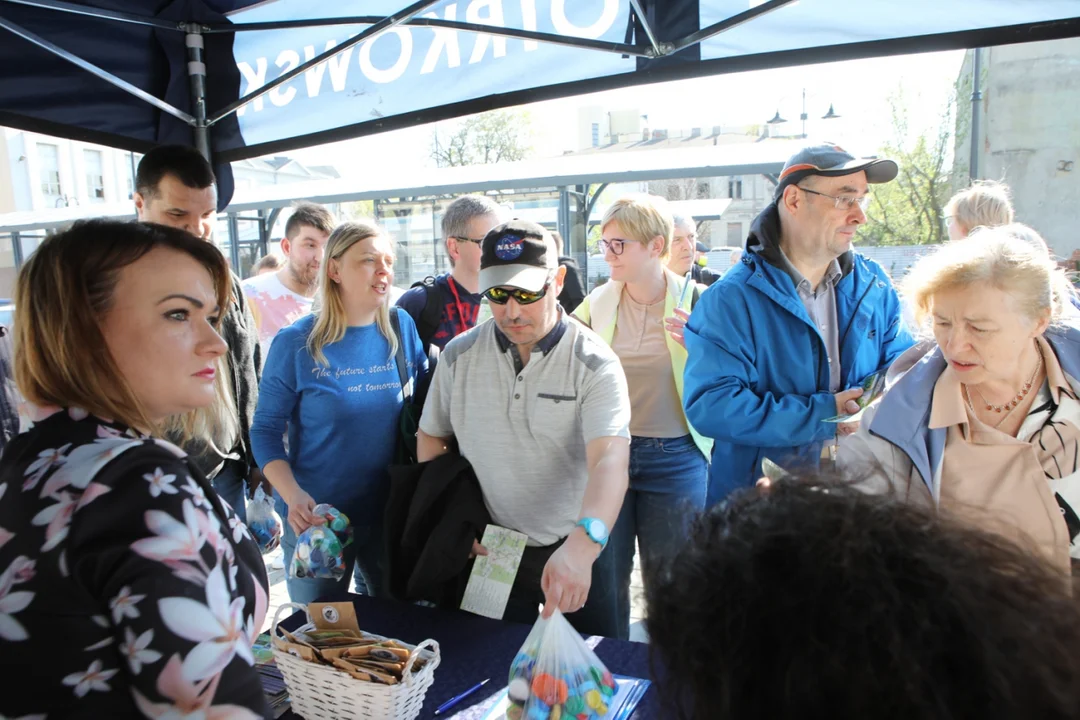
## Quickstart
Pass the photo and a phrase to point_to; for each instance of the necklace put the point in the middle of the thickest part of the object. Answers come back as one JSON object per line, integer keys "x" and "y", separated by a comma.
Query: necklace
{"x": 1012, "y": 404}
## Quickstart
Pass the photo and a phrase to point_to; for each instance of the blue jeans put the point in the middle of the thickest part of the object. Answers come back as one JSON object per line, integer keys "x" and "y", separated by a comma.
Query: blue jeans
{"x": 363, "y": 555}
{"x": 229, "y": 484}
{"x": 668, "y": 480}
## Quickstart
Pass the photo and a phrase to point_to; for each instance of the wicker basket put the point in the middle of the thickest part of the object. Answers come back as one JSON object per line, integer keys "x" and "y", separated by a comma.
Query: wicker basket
{"x": 321, "y": 691}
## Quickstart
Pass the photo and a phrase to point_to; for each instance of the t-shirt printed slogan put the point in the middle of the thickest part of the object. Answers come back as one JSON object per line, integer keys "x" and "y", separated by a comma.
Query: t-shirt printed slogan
{"x": 361, "y": 373}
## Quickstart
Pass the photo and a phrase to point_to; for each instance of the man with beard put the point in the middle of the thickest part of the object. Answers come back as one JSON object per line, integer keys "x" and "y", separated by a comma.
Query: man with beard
{"x": 281, "y": 298}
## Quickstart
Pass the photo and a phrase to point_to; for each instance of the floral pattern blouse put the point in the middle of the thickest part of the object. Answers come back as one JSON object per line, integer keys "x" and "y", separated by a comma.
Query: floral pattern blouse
{"x": 127, "y": 587}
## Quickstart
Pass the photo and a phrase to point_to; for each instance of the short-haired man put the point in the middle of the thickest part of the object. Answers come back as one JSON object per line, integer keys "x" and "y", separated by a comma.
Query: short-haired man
{"x": 783, "y": 340}
{"x": 281, "y": 298}
{"x": 175, "y": 185}
{"x": 683, "y": 257}
{"x": 449, "y": 305}
{"x": 539, "y": 406}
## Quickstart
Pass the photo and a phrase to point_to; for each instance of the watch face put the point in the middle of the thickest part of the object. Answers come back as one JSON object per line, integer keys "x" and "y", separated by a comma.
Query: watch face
{"x": 596, "y": 530}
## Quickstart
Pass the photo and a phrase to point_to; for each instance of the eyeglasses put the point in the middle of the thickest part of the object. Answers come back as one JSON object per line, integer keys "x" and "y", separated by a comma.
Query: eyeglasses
{"x": 468, "y": 239}
{"x": 846, "y": 202}
{"x": 615, "y": 246}
{"x": 500, "y": 296}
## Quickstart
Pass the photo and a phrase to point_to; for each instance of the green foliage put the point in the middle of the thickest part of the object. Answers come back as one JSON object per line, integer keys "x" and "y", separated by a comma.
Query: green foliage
{"x": 910, "y": 209}
{"x": 491, "y": 137}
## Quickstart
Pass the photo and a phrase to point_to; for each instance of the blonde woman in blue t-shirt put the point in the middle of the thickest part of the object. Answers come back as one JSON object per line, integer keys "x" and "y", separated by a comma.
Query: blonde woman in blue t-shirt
{"x": 332, "y": 379}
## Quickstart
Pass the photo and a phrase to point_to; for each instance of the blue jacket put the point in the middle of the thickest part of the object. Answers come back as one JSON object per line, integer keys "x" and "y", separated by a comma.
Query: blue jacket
{"x": 757, "y": 377}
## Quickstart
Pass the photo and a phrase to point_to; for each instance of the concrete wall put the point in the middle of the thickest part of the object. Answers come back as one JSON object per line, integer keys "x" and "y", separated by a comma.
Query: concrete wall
{"x": 1030, "y": 136}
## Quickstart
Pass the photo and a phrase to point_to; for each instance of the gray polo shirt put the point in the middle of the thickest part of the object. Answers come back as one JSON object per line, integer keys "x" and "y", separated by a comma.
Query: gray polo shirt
{"x": 820, "y": 304}
{"x": 524, "y": 428}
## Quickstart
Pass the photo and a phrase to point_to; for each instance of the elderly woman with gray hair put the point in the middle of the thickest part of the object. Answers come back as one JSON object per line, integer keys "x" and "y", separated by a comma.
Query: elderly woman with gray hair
{"x": 984, "y": 421}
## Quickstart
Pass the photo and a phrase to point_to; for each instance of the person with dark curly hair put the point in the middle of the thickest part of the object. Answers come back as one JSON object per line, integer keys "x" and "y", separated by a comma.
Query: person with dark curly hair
{"x": 810, "y": 599}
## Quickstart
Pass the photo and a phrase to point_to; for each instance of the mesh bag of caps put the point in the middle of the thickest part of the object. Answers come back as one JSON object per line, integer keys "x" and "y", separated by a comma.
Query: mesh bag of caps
{"x": 263, "y": 521}
{"x": 320, "y": 549}
{"x": 555, "y": 676}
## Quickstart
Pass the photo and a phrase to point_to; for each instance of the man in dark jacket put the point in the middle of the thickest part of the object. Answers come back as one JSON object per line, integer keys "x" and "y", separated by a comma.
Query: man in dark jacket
{"x": 175, "y": 185}
{"x": 573, "y": 289}
{"x": 446, "y": 306}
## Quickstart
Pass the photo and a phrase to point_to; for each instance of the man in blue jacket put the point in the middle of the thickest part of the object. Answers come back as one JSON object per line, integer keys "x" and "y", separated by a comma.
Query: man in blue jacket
{"x": 783, "y": 341}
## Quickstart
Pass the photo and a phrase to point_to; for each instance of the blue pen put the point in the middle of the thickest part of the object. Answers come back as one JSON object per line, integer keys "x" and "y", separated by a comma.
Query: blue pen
{"x": 458, "y": 698}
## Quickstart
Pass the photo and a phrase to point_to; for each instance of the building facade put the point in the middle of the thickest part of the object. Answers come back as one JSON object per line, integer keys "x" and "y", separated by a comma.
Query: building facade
{"x": 1029, "y": 136}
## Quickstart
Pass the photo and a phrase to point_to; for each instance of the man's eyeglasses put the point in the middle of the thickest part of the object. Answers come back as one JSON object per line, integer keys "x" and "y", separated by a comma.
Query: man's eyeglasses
{"x": 500, "y": 296}
{"x": 615, "y": 246}
{"x": 846, "y": 202}
{"x": 467, "y": 239}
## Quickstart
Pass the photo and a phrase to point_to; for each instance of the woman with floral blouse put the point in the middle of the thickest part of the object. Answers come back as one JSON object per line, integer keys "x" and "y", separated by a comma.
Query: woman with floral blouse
{"x": 127, "y": 587}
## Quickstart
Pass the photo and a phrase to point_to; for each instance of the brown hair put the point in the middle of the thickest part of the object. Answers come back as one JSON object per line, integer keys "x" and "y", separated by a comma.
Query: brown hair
{"x": 63, "y": 292}
{"x": 310, "y": 214}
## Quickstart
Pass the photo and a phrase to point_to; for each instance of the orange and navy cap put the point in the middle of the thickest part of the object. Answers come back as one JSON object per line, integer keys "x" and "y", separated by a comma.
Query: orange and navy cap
{"x": 831, "y": 161}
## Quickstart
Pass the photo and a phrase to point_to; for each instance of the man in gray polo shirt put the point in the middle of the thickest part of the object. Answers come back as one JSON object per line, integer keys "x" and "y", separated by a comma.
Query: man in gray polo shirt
{"x": 539, "y": 406}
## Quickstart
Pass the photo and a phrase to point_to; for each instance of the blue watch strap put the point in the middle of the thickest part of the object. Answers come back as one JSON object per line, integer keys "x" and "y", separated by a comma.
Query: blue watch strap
{"x": 596, "y": 530}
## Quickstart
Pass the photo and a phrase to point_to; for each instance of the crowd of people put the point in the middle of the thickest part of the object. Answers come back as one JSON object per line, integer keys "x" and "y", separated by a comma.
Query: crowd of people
{"x": 911, "y": 558}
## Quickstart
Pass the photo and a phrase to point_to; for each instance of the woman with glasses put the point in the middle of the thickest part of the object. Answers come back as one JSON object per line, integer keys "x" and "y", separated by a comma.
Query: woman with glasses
{"x": 332, "y": 381}
{"x": 668, "y": 459}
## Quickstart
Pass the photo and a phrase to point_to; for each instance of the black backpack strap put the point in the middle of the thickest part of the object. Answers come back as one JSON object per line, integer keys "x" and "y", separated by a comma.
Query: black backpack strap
{"x": 399, "y": 357}
{"x": 431, "y": 316}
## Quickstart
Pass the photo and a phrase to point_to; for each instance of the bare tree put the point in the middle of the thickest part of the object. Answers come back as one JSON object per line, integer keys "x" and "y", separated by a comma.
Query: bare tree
{"x": 491, "y": 137}
{"x": 685, "y": 189}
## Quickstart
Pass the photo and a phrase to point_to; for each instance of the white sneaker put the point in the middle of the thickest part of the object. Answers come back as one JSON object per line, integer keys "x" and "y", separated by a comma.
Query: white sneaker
{"x": 278, "y": 563}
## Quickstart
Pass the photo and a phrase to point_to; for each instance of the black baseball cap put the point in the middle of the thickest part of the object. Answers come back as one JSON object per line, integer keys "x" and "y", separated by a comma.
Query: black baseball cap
{"x": 832, "y": 161}
{"x": 700, "y": 247}
{"x": 518, "y": 254}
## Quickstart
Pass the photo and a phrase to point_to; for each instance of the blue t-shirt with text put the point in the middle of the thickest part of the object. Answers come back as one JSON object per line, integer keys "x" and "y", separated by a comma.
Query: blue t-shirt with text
{"x": 342, "y": 417}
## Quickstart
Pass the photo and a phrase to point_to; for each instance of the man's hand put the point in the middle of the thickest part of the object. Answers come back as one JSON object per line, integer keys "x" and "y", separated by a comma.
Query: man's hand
{"x": 301, "y": 516}
{"x": 256, "y": 479}
{"x": 568, "y": 574}
{"x": 477, "y": 549}
{"x": 676, "y": 325}
{"x": 845, "y": 401}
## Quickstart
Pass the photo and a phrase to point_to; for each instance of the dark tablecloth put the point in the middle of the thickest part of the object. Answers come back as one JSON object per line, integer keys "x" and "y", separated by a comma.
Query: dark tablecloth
{"x": 474, "y": 648}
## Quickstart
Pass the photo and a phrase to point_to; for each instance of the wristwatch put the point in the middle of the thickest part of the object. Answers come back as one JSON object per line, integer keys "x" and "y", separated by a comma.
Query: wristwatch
{"x": 595, "y": 529}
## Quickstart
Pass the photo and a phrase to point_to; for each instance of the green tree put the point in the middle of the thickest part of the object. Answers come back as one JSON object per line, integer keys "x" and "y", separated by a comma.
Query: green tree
{"x": 491, "y": 137}
{"x": 910, "y": 209}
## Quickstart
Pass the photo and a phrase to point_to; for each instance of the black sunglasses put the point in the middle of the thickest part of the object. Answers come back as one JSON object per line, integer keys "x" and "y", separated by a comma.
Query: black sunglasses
{"x": 500, "y": 296}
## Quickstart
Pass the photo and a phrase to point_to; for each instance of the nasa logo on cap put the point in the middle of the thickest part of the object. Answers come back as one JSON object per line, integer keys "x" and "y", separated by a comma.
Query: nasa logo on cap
{"x": 509, "y": 247}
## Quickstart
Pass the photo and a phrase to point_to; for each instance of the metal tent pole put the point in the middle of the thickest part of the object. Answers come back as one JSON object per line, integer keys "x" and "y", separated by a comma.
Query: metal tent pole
{"x": 384, "y": 24}
{"x": 976, "y": 114}
{"x": 94, "y": 70}
{"x": 196, "y": 69}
